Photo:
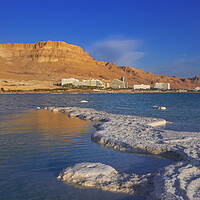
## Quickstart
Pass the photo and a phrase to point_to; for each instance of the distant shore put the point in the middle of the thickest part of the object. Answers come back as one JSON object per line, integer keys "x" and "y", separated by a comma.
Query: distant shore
{"x": 60, "y": 90}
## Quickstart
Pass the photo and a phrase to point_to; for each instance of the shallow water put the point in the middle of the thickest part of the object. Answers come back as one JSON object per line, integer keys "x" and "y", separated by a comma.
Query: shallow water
{"x": 36, "y": 145}
{"x": 182, "y": 108}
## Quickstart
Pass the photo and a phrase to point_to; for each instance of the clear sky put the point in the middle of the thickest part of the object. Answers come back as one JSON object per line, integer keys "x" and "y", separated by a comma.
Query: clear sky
{"x": 158, "y": 36}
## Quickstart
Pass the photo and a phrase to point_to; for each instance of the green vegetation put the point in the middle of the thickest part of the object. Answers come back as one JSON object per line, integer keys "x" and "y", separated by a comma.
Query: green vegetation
{"x": 82, "y": 87}
{"x": 70, "y": 88}
{"x": 51, "y": 90}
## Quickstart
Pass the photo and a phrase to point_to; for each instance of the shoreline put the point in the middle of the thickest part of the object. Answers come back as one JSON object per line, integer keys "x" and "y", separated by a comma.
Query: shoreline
{"x": 80, "y": 91}
{"x": 134, "y": 134}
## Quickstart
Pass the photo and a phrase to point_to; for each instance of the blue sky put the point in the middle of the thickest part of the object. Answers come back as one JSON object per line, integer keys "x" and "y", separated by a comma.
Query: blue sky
{"x": 158, "y": 36}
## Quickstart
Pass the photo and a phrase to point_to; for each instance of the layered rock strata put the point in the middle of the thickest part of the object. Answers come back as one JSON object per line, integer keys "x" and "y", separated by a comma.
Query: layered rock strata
{"x": 180, "y": 180}
{"x": 53, "y": 60}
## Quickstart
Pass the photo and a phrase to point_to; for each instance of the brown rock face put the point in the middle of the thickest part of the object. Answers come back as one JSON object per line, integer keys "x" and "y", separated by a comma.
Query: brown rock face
{"x": 42, "y": 51}
{"x": 53, "y": 60}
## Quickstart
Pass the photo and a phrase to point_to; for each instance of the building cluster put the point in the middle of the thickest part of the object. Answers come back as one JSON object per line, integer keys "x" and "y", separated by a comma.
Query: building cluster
{"x": 116, "y": 83}
{"x": 159, "y": 86}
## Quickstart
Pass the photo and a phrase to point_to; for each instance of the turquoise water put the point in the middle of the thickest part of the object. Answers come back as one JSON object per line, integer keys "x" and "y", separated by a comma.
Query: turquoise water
{"x": 36, "y": 145}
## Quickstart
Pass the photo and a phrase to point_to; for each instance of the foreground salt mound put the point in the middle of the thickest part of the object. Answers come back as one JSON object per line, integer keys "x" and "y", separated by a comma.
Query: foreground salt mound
{"x": 86, "y": 174}
{"x": 180, "y": 180}
{"x": 102, "y": 176}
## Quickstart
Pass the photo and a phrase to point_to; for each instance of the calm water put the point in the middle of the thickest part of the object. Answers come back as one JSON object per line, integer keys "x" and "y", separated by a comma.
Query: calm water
{"x": 36, "y": 145}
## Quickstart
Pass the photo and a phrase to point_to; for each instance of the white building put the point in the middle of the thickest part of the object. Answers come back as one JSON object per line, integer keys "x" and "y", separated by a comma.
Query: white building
{"x": 118, "y": 84}
{"x": 197, "y": 88}
{"x": 106, "y": 84}
{"x": 141, "y": 87}
{"x": 93, "y": 83}
{"x": 72, "y": 81}
{"x": 162, "y": 86}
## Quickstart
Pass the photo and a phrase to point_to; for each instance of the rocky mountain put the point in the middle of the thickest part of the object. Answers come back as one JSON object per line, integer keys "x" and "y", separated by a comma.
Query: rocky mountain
{"x": 52, "y": 60}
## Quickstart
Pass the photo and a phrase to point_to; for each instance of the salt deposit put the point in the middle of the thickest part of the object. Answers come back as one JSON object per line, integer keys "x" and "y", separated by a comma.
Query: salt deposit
{"x": 159, "y": 107}
{"x": 102, "y": 176}
{"x": 180, "y": 180}
{"x": 84, "y": 101}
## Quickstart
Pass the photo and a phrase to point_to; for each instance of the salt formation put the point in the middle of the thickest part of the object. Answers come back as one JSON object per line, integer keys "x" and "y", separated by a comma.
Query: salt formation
{"x": 159, "y": 107}
{"x": 84, "y": 101}
{"x": 180, "y": 180}
{"x": 101, "y": 176}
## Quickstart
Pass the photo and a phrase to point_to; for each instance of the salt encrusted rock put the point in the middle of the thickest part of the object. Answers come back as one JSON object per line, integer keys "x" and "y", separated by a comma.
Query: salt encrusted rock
{"x": 159, "y": 107}
{"x": 180, "y": 180}
{"x": 89, "y": 174}
{"x": 162, "y": 108}
{"x": 103, "y": 177}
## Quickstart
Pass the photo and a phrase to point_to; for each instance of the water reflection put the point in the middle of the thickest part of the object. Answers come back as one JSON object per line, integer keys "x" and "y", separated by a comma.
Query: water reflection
{"x": 50, "y": 125}
{"x": 36, "y": 145}
{"x": 36, "y": 135}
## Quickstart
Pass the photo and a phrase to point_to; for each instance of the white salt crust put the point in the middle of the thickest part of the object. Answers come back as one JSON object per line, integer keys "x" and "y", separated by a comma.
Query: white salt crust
{"x": 180, "y": 180}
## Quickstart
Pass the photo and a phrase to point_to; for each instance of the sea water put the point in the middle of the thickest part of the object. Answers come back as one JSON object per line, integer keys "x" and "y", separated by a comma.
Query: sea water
{"x": 35, "y": 145}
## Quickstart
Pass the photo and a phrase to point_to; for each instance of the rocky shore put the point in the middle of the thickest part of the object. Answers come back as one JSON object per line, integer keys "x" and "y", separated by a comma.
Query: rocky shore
{"x": 134, "y": 134}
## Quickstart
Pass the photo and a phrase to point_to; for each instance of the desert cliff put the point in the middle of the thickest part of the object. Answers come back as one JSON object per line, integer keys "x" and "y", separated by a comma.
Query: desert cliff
{"x": 43, "y": 64}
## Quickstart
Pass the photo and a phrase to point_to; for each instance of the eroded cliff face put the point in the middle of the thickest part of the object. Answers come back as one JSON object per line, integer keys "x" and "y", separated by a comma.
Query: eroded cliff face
{"x": 53, "y": 60}
{"x": 49, "y": 51}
